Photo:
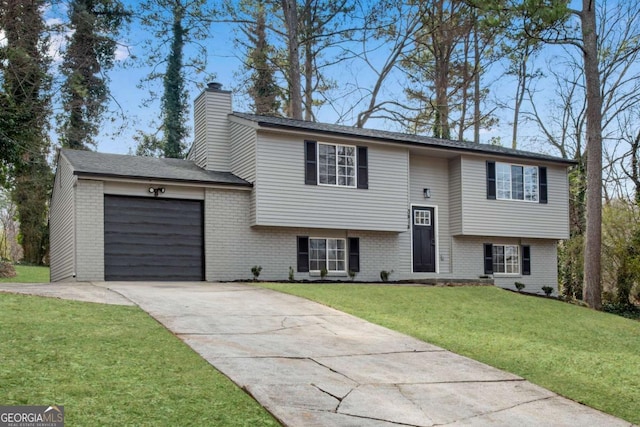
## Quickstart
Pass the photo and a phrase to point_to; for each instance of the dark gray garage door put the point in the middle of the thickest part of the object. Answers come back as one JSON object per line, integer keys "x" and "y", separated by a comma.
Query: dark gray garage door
{"x": 153, "y": 239}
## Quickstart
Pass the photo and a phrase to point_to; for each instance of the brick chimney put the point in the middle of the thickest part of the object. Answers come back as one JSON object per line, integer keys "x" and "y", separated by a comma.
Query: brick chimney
{"x": 210, "y": 148}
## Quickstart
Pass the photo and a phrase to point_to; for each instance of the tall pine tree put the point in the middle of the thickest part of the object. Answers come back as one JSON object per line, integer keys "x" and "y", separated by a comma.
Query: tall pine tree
{"x": 263, "y": 89}
{"x": 90, "y": 53}
{"x": 174, "y": 103}
{"x": 24, "y": 104}
{"x": 177, "y": 24}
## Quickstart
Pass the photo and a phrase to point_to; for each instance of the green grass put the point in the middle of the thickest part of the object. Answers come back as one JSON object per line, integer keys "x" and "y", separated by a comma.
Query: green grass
{"x": 28, "y": 274}
{"x": 587, "y": 356}
{"x": 111, "y": 366}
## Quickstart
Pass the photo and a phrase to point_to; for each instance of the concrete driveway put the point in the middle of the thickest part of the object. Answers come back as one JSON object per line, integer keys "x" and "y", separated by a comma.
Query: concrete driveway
{"x": 310, "y": 365}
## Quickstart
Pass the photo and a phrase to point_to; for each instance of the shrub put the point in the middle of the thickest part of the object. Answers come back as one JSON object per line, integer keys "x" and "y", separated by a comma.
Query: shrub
{"x": 323, "y": 273}
{"x": 291, "y": 276}
{"x": 519, "y": 286}
{"x": 352, "y": 275}
{"x": 384, "y": 275}
{"x": 629, "y": 311}
{"x": 7, "y": 269}
{"x": 547, "y": 290}
{"x": 255, "y": 270}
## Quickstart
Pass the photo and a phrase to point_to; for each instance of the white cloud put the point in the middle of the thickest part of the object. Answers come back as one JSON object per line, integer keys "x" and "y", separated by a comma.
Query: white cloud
{"x": 122, "y": 52}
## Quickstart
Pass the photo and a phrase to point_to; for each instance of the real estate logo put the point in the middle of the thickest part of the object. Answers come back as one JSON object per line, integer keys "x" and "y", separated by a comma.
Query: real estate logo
{"x": 31, "y": 416}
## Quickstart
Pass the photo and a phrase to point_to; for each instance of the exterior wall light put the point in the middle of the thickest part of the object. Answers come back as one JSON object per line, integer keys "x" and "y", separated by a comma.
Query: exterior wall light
{"x": 427, "y": 193}
{"x": 156, "y": 190}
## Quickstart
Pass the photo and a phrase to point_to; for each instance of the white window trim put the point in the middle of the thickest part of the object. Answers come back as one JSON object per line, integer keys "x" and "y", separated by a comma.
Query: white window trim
{"x": 510, "y": 199}
{"x": 519, "y": 273}
{"x": 355, "y": 165}
{"x": 434, "y": 221}
{"x": 346, "y": 255}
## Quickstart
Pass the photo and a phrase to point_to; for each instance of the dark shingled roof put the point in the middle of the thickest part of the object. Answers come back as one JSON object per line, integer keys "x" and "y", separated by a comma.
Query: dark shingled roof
{"x": 395, "y": 137}
{"x": 120, "y": 166}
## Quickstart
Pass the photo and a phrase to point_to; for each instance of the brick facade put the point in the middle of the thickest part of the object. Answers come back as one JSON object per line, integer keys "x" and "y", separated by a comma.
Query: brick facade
{"x": 89, "y": 205}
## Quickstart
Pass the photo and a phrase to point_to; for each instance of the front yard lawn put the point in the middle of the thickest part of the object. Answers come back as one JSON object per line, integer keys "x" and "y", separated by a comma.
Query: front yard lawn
{"x": 111, "y": 366}
{"x": 585, "y": 355}
{"x": 28, "y": 274}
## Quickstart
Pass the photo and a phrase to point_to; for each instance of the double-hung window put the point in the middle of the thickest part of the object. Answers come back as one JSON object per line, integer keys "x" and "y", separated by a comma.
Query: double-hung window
{"x": 516, "y": 182}
{"x": 334, "y": 255}
{"x": 337, "y": 165}
{"x": 507, "y": 181}
{"x": 329, "y": 254}
{"x": 506, "y": 259}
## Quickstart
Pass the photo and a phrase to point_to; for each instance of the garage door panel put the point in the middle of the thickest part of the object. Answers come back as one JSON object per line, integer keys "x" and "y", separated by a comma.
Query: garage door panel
{"x": 142, "y": 218}
{"x": 153, "y": 239}
{"x": 133, "y": 233}
{"x": 148, "y": 241}
{"x": 141, "y": 252}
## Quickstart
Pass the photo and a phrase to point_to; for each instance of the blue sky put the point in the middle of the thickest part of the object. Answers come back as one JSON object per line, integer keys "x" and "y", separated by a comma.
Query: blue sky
{"x": 117, "y": 135}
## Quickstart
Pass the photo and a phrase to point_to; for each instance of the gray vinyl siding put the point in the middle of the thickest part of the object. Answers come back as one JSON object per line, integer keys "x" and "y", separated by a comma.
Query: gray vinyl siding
{"x": 211, "y": 131}
{"x": 198, "y": 152}
{"x": 218, "y": 107}
{"x": 61, "y": 222}
{"x": 432, "y": 173}
{"x": 455, "y": 195}
{"x": 468, "y": 262}
{"x": 283, "y": 199}
{"x": 483, "y": 217}
{"x": 243, "y": 151}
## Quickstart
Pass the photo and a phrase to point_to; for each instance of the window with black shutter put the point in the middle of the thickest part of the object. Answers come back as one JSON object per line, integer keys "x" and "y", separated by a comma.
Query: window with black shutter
{"x": 488, "y": 258}
{"x": 354, "y": 254}
{"x": 303, "y": 254}
{"x": 491, "y": 180}
{"x": 542, "y": 172}
{"x": 526, "y": 260}
{"x": 363, "y": 168}
{"x": 310, "y": 163}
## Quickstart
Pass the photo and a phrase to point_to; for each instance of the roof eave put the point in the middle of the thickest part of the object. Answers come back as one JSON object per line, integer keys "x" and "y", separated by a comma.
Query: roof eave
{"x": 85, "y": 174}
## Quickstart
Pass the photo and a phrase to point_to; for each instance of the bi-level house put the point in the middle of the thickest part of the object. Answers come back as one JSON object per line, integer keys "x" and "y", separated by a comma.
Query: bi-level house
{"x": 286, "y": 194}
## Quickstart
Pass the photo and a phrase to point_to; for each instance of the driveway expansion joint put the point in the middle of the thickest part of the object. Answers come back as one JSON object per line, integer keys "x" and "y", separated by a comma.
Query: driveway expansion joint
{"x": 497, "y": 411}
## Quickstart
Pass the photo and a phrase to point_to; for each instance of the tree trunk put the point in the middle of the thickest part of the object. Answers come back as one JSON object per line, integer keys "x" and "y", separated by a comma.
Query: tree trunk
{"x": 522, "y": 86}
{"x": 476, "y": 81}
{"x": 593, "y": 238}
{"x": 290, "y": 9}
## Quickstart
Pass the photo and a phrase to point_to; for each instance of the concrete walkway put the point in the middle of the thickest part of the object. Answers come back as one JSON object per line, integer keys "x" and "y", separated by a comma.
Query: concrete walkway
{"x": 310, "y": 365}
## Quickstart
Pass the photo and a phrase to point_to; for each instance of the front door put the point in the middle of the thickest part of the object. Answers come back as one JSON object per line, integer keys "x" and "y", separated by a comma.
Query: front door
{"x": 424, "y": 240}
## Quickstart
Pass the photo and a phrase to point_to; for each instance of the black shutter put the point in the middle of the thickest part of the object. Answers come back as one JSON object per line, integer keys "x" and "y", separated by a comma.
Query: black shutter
{"x": 526, "y": 261}
{"x": 362, "y": 160}
{"x": 491, "y": 180}
{"x": 542, "y": 177}
{"x": 488, "y": 258}
{"x": 354, "y": 254}
{"x": 303, "y": 254}
{"x": 310, "y": 161}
